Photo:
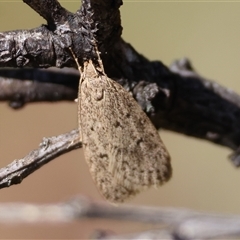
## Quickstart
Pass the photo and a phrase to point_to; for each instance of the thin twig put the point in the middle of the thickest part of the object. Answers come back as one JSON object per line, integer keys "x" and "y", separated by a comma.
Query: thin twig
{"x": 48, "y": 150}
{"x": 182, "y": 223}
{"x": 184, "y": 104}
{"x": 149, "y": 235}
{"x": 184, "y": 68}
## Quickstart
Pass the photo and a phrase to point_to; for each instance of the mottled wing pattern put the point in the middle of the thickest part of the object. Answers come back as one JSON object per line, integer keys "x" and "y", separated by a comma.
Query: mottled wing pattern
{"x": 121, "y": 146}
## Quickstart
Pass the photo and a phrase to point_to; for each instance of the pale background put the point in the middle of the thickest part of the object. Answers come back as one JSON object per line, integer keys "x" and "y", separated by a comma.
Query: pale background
{"x": 203, "y": 177}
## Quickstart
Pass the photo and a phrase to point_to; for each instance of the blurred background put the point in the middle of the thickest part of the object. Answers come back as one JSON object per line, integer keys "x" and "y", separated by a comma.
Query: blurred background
{"x": 203, "y": 179}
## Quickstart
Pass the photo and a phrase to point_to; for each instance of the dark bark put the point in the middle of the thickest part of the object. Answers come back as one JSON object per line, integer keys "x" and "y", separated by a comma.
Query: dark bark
{"x": 177, "y": 99}
{"x": 50, "y": 10}
{"x": 21, "y": 86}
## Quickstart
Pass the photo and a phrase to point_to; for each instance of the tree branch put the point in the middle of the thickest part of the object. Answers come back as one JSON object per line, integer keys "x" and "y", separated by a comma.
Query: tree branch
{"x": 175, "y": 223}
{"x": 174, "y": 100}
{"x": 48, "y": 150}
{"x": 21, "y": 86}
{"x": 51, "y": 10}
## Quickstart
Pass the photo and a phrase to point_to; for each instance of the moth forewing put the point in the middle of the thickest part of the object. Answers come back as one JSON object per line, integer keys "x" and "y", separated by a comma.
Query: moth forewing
{"x": 121, "y": 146}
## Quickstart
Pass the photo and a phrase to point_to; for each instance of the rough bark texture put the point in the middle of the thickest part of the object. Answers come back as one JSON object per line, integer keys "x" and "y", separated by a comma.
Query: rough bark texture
{"x": 177, "y": 99}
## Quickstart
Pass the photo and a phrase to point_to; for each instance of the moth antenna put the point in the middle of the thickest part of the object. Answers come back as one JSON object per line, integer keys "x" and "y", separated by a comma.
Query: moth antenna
{"x": 95, "y": 70}
{"x": 76, "y": 60}
{"x": 99, "y": 58}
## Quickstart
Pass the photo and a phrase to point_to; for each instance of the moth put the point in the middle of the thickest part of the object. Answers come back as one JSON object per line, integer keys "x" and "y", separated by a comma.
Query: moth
{"x": 122, "y": 148}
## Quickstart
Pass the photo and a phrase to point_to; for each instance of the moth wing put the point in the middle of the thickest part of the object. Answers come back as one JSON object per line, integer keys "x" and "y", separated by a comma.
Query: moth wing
{"x": 121, "y": 146}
